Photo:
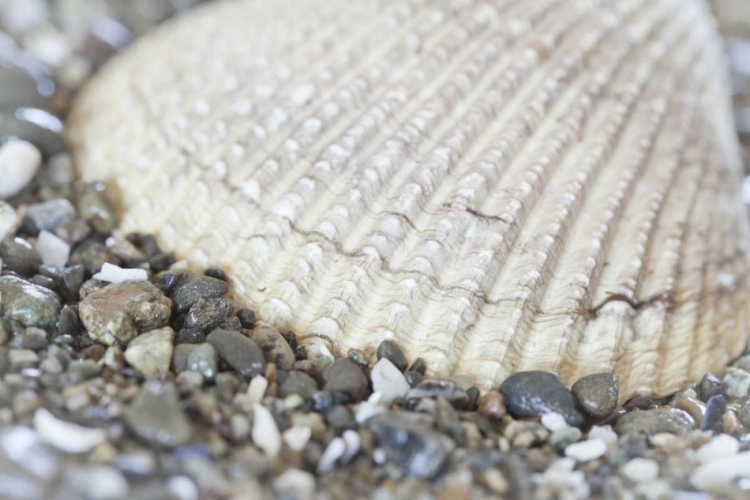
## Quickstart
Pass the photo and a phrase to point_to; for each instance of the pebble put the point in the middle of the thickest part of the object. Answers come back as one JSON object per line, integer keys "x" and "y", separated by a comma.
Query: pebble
{"x": 95, "y": 208}
{"x": 275, "y": 347}
{"x": 332, "y": 454}
{"x": 535, "y": 393}
{"x": 640, "y": 470}
{"x": 99, "y": 482}
{"x": 389, "y": 350}
{"x": 156, "y": 417}
{"x": 265, "y": 432}
{"x": 257, "y": 388}
{"x": 190, "y": 336}
{"x": 151, "y": 352}
{"x": 444, "y": 388}
{"x": 298, "y": 382}
{"x": 721, "y": 445}
{"x": 20, "y": 256}
{"x": 736, "y": 382}
{"x": 8, "y": 220}
{"x": 119, "y": 311}
{"x": 111, "y": 273}
{"x": 585, "y": 451}
{"x": 247, "y": 318}
{"x": 19, "y": 162}
{"x": 189, "y": 291}
{"x": 203, "y": 360}
{"x": 718, "y": 475}
{"x": 208, "y": 314}
{"x": 413, "y": 446}
{"x": 92, "y": 255}
{"x": 238, "y": 351}
{"x": 53, "y": 250}
{"x": 744, "y": 412}
{"x": 344, "y": 375}
{"x": 553, "y": 421}
{"x": 597, "y": 394}
{"x": 297, "y": 437}
{"x": 66, "y": 436}
{"x": 388, "y": 380}
{"x": 295, "y": 484}
{"x": 492, "y": 405}
{"x": 709, "y": 387}
{"x": 29, "y": 304}
{"x": 655, "y": 421}
{"x": 49, "y": 215}
{"x": 715, "y": 408}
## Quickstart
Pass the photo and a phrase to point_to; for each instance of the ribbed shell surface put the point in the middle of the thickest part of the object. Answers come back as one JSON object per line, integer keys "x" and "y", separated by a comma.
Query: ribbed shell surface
{"x": 495, "y": 185}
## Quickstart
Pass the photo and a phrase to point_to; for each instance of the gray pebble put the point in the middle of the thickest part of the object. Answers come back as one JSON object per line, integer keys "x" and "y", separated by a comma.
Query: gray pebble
{"x": 95, "y": 207}
{"x": 191, "y": 290}
{"x": 297, "y": 382}
{"x": 709, "y": 386}
{"x": 275, "y": 347}
{"x": 150, "y": 353}
{"x": 190, "y": 336}
{"x": 412, "y": 445}
{"x": 82, "y": 370}
{"x": 119, "y": 311}
{"x": 238, "y": 351}
{"x": 34, "y": 339}
{"x": 36, "y": 126}
{"x": 207, "y": 314}
{"x": 204, "y": 360}
{"x": 156, "y": 417}
{"x": 49, "y": 215}
{"x": 389, "y": 350}
{"x": 341, "y": 417}
{"x": 92, "y": 255}
{"x": 597, "y": 394}
{"x": 440, "y": 388}
{"x": 20, "y": 256}
{"x": 655, "y": 421}
{"x": 358, "y": 356}
{"x": 744, "y": 412}
{"x": 736, "y": 382}
{"x": 180, "y": 356}
{"x": 27, "y": 303}
{"x": 534, "y": 393}
{"x": 344, "y": 375}
{"x": 715, "y": 408}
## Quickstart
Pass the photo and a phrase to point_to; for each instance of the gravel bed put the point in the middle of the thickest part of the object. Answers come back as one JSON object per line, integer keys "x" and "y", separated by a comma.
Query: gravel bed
{"x": 123, "y": 375}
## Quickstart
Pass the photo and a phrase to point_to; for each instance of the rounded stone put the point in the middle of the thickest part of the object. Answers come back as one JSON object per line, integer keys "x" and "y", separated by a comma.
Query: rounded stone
{"x": 655, "y": 421}
{"x": 150, "y": 353}
{"x": 155, "y": 416}
{"x": 534, "y": 393}
{"x": 191, "y": 290}
{"x": 19, "y": 162}
{"x": 344, "y": 375}
{"x": 29, "y": 304}
{"x": 298, "y": 382}
{"x": 238, "y": 351}
{"x": 597, "y": 394}
{"x": 392, "y": 352}
{"x": 20, "y": 256}
{"x": 275, "y": 347}
{"x": 204, "y": 360}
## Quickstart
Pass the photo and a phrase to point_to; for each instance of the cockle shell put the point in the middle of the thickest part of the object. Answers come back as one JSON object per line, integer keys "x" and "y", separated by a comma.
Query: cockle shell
{"x": 497, "y": 186}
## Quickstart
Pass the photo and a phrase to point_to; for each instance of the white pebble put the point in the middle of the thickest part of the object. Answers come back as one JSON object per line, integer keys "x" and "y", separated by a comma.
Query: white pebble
{"x": 641, "y": 470}
{"x": 19, "y": 162}
{"x": 114, "y": 274}
{"x": 369, "y": 408}
{"x": 54, "y": 251}
{"x": 8, "y": 220}
{"x": 265, "y": 433}
{"x": 335, "y": 450}
{"x": 722, "y": 445}
{"x": 717, "y": 475}
{"x": 584, "y": 451}
{"x": 353, "y": 441}
{"x": 100, "y": 482}
{"x": 301, "y": 484}
{"x": 257, "y": 389}
{"x": 297, "y": 437}
{"x": 388, "y": 381}
{"x": 603, "y": 432}
{"x": 66, "y": 436}
{"x": 553, "y": 421}
{"x": 183, "y": 488}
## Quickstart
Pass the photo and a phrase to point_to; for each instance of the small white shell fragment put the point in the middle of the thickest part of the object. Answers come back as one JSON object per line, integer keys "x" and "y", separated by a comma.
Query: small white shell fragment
{"x": 717, "y": 475}
{"x": 297, "y": 437}
{"x": 19, "y": 162}
{"x": 585, "y": 451}
{"x": 8, "y": 220}
{"x": 721, "y": 445}
{"x": 553, "y": 421}
{"x": 115, "y": 274}
{"x": 256, "y": 389}
{"x": 388, "y": 381}
{"x": 265, "y": 433}
{"x": 493, "y": 202}
{"x": 640, "y": 470}
{"x": 53, "y": 250}
{"x": 66, "y": 436}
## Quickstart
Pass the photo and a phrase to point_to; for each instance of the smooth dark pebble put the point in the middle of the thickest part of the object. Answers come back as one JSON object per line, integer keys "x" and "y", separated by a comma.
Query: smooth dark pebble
{"x": 389, "y": 350}
{"x": 715, "y": 408}
{"x": 155, "y": 416}
{"x": 341, "y": 417}
{"x": 149, "y": 245}
{"x": 161, "y": 262}
{"x": 238, "y": 351}
{"x": 92, "y": 255}
{"x": 709, "y": 386}
{"x": 534, "y": 393}
{"x": 418, "y": 366}
{"x": 291, "y": 339}
{"x": 473, "y": 393}
{"x": 69, "y": 323}
{"x": 215, "y": 273}
{"x": 247, "y": 318}
{"x": 297, "y": 382}
{"x": 68, "y": 279}
{"x": 344, "y": 375}
{"x": 413, "y": 378}
{"x": 20, "y": 256}
{"x": 597, "y": 393}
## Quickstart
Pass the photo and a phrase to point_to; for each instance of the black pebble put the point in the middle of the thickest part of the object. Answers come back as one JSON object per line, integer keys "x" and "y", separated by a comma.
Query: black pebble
{"x": 190, "y": 336}
{"x": 216, "y": 273}
{"x": 69, "y": 324}
{"x": 393, "y": 353}
{"x": 247, "y": 318}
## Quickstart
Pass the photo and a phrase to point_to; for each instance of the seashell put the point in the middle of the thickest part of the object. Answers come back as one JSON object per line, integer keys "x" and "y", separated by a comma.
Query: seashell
{"x": 496, "y": 186}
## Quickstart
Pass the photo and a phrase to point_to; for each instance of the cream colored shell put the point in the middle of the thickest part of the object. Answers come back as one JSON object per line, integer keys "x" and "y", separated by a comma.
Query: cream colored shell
{"x": 497, "y": 186}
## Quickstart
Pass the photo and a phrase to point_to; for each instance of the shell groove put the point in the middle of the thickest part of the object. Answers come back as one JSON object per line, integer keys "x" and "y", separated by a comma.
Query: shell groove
{"x": 498, "y": 186}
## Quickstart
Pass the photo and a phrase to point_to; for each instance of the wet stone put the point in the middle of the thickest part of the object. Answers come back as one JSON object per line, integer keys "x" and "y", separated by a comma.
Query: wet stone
{"x": 297, "y": 382}
{"x": 48, "y": 215}
{"x": 191, "y": 290}
{"x": 118, "y": 312}
{"x": 238, "y": 351}
{"x": 535, "y": 393}
{"x": 27, "y": 303}
{"x": 155, "y": 416}
{"x": 204, "y": 360}
{"x": 412, "y": 445}
{"x": 20, "y": 256}
{"x": 597, "y": 394}
{"x": 150, "y": 353}
{"x": 393, "y": 353}
{"x": 655, "y": 421}
{"x": 190, "y": 336}
{"x": 207, "y": 314}
{"x": 344, "y": 375}
{"x": 443, "y": 388}
{"x": 709, "y": 386}
{"x": 274, "y": 346}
